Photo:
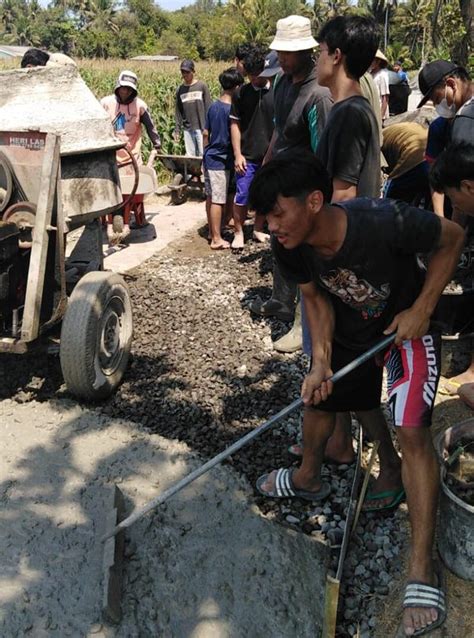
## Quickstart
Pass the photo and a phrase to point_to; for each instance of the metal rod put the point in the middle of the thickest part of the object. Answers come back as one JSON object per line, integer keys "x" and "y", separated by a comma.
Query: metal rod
{"x": 298, "y": 403}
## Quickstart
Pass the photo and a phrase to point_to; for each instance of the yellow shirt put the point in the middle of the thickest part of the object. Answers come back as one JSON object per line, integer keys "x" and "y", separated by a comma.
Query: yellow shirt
{"x": 404, "y": 147}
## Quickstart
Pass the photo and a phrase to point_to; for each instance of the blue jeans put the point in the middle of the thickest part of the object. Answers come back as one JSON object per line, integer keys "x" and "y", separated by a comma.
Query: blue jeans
{"x": 193, "y": 142}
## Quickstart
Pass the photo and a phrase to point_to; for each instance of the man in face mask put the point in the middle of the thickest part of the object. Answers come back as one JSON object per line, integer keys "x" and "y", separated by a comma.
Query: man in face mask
{"x": 449, "y": 87}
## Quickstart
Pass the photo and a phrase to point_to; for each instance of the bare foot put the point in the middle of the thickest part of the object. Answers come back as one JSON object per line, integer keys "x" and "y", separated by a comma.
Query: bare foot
{"x": 238, "y": 241}
{"x": 260, "y": 237}
{"x": 466, "y": 393}
{"x": 451, "y": 386}
{"x": 220, "y": 245}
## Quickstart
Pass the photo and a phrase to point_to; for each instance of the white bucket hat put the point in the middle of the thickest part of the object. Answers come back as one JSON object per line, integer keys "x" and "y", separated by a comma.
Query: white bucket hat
{"x": 293, "y": 34}
{"x": 380, "y": 56}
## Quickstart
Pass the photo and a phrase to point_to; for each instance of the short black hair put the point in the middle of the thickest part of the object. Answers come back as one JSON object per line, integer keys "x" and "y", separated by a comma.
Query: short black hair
{"x": 34, "y": 57}
{"x": 242, "y": 51}
{"x": 290, "y": 174}
{"x": 254, "y": 62}
{"x": 230, "y": 78}
{"x": 357, "y": 37}
{"x": 453, "y": 165}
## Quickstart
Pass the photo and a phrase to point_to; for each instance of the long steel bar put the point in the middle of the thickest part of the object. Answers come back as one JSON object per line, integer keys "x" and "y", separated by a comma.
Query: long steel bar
{"x": 298, "y": 403}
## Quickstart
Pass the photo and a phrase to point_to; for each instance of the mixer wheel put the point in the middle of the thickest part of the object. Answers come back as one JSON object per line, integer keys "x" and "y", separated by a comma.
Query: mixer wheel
{"x": 96, "y": 335}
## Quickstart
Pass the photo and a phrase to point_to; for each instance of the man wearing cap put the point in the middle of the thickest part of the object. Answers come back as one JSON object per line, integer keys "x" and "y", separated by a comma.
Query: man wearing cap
{"x": 301, "y": 108}
{"x": 127, "y": 113}
{"x": 380, "y": 75}
{"x": 192, "y": 103}
{"x": 251, "y": 129}
{"x": 449, "y": 87}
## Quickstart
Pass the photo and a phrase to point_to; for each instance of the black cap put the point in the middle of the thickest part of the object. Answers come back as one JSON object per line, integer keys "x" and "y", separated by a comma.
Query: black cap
{"x": 187, "y": 65}
{"x": 431, "y": 75}
{"x": 272, "y": 66}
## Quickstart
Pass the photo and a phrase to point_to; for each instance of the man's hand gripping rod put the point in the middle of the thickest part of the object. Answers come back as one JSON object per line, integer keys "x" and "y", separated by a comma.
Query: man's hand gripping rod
{"x": 298, "y": 403}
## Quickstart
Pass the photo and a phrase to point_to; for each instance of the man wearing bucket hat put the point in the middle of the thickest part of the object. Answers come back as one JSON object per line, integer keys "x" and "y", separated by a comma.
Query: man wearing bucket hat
{"x": 380, "y": 75}
{"x": 127, "y": 113}
{"x": 301, "y": 109}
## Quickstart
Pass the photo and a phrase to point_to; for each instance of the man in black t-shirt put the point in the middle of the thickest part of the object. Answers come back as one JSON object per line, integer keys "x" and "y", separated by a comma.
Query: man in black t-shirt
{"x": 349, "y": 148}
{"x": 357, "y": 268}
{"x": 251, "y": 129}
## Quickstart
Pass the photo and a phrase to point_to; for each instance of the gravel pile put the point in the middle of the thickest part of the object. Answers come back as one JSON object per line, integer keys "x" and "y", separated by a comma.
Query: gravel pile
{"x": 204, "y": 372}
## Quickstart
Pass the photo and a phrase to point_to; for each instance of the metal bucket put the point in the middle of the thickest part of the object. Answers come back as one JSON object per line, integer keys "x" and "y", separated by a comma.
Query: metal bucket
{"x": 456, "y": 517}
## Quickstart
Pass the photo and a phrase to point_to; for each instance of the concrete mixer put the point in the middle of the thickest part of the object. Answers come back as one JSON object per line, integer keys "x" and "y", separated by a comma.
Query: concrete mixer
{"x": 58, "y": 173}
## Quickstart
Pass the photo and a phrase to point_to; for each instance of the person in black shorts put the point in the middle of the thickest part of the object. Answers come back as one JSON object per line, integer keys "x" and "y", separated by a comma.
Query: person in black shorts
{"x": 357, "y": 268}
{"x": 251, "y": 129}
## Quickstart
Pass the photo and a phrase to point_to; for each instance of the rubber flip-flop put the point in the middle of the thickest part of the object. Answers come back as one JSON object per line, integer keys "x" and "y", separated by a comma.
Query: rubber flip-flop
{"x": 397, "y": 497}
{"x": 418, "y": 594}
{"x": 284, "y": 487}
{"x": 294, "y": 451}
{"x": 449, "y": 388}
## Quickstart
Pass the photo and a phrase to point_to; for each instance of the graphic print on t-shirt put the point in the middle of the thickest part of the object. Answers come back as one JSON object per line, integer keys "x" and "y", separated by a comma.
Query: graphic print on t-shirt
{"x": 191, "y": 96}
{"x": 356, "y": 293}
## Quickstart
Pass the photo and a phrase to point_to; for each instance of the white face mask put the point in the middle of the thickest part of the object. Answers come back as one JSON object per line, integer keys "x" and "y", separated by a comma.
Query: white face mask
{"x": 443, "y": 109}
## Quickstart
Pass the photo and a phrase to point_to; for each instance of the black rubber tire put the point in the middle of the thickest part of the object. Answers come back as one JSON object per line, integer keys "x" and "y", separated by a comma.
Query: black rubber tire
{"x": 178, "y": 196}
{"x": 96, "y": 336}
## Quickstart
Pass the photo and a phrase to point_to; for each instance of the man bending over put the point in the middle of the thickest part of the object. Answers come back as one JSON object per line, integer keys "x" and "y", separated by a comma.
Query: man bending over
{"x": 357, "y": 268}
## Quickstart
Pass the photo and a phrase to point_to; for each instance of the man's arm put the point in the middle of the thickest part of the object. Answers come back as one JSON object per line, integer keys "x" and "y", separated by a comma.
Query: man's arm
{"x": 414, "y": 322}
{"x": 383, "y": 105}
{"x": 341, "y": 190}
{"x": 437, "y": 199}
{"x": 178, "y": 116}
{"x": 320, "y": 319}
{"x": 149, "y": 125}
{"x": 205, "y": 138}
{"x": 240, "y": 163}
{"x": 207, "y": 98}
{"x": 269, "y": 153}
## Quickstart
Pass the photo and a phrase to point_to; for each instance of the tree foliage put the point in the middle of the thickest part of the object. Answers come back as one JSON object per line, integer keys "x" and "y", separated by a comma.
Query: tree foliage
{"x": 417, "y": 30}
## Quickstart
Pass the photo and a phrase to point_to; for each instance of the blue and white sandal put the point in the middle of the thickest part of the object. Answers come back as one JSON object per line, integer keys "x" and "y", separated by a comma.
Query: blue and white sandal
{"x": 284, "y": 487}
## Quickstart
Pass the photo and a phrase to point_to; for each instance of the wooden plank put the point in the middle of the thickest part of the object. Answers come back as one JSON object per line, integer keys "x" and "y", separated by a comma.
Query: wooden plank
{"x": 39, "y": 250}
{"x": 331, "y": 598}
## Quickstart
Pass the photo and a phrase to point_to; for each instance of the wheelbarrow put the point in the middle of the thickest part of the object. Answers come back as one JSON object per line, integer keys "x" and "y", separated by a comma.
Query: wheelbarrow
{"x": 187, "y": 176}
